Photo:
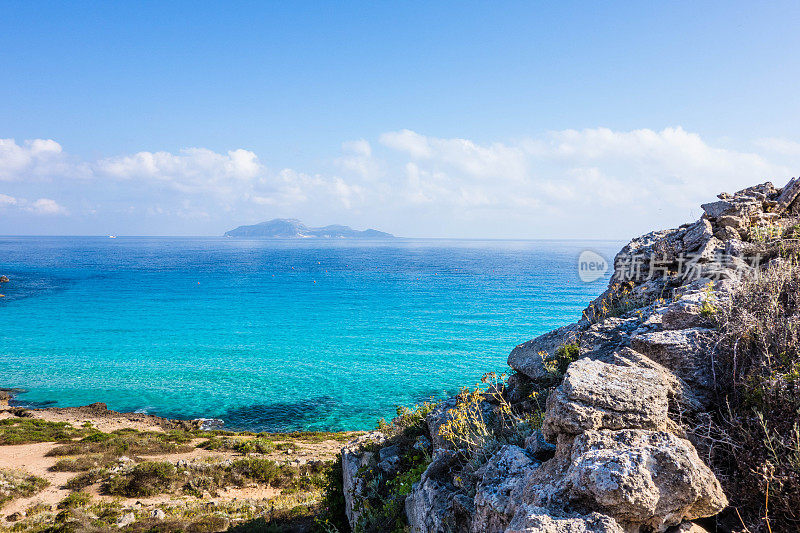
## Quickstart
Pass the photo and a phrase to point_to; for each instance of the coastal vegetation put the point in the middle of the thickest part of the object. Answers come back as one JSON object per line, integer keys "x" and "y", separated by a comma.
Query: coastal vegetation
{"x": 18, "y": 484}
{"x": 189, "y": 479}
{"x": 755, "y": 437}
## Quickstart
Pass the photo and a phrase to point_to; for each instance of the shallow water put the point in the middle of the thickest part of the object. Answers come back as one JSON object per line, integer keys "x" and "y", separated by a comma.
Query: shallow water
{"x": 274, "y": 335}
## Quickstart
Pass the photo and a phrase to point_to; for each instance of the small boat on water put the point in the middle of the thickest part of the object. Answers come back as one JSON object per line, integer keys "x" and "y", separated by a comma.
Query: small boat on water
{"x": 112, "y": 236}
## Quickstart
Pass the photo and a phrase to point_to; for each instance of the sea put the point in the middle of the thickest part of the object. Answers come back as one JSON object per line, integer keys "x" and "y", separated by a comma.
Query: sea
{"x": 274, "y": 335}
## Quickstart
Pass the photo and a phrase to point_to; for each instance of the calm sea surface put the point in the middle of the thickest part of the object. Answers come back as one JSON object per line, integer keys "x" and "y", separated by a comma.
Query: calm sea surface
{"x": 274, "y": 335}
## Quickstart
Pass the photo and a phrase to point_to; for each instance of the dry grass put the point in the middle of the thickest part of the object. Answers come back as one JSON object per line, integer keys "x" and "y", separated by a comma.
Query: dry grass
{"x": 755, "y": 444}
{"x": 17, "y": 484}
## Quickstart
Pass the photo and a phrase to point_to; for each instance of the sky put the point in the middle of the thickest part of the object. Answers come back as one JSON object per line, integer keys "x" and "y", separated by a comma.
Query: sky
{"x": 424, "y": 119}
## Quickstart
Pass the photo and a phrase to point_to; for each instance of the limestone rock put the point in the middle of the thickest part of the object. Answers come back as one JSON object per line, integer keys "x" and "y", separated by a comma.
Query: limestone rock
{"x": 686, "y": 352}
{"x": 435, "y": 505}
{"x": 650, "y": 478}
{"x": 533, "y": 519}
{"x": 598, "y": 395}
{"x": 602, "y": 339}
{"x": 697, "y": 235}
{"x": 501, "y": 475}
{"x": 355, "y": 456}
{"x": 126, "y": 520}
{"x": 527, "y": 357}
{"x": 686, "y": 312}
{"x": 718, "y": 208}
{"x": 682, "y": 398}
{"x": 788, "y": 195}
{"x": 537, "y": 446}
{"x": 733, "y": 222}
{"x": 689, "y": 527}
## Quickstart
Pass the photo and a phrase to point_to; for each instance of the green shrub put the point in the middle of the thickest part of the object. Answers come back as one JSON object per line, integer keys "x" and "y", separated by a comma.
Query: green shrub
{"x": 84, "y": 479}
{"x": 27, "y": 430}
{"x": 146, "y": 479}
{"x": 84, "y": 463}
{"x": 383, "y": 506}
{"x": 76, "y": 499}
{"x": 557, "y": 364}
{"x": 126, "y": 441}
{"x": 257, "y": 445}
{"x": 409, "y": 422}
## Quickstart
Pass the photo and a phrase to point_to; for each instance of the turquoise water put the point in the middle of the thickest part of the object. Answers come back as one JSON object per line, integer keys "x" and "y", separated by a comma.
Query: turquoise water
{"x": 274, "y": 335}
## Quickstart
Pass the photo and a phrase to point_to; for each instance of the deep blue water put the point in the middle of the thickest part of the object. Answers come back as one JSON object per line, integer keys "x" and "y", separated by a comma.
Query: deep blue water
{"x": 274, "y": 335}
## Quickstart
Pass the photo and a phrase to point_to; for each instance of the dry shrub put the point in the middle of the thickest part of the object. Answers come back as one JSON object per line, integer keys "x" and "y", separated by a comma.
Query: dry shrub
{"x": 756, "y": 442}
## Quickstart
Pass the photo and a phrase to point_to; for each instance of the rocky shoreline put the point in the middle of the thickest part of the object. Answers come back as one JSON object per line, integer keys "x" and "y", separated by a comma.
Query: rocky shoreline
{"x": 600, "y": 426}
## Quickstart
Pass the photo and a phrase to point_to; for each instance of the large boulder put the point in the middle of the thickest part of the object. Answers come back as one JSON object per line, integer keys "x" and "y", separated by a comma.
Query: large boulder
{"x": 532, "y": 519}
{"x": 787, "y": 196}
{"x": 650, "y": 478}
{"x": 697, "y": 235}
{"x": 602, "y": 339}
{"x": 499, "y": 477}
{"x": 435, "y": 505}
{"x": 685, "y": 352}
{"x": 357, "y": 454}
{"x": 598, "y": 395}
{"x": 528, "y": 358}
{"x": 686, "y": 312}
{"x": 682, "y": 399}
{"x": 718, "y": 208}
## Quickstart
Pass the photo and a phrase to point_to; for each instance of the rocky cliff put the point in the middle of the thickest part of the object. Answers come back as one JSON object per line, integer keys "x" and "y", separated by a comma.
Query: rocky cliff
{"x": 596, "y": 428}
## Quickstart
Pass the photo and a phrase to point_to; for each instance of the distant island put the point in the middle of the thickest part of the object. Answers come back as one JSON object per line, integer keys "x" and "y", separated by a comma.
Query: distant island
{"x": 290, "y": 228}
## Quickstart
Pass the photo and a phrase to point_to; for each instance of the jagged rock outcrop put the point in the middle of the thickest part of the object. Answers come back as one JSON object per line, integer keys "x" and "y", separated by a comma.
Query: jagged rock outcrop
{"x": 650, "y": 478}
{"x": 613, "y": 453}
{"x": 533, "y": 519}
{"x": 528, "y": 357}
{"x": 498, "y": 479}
{"x": 355, "y": 455}
{"x": 685, "y": 352}
{"x": 598, "y": 395}
{"x": 435, "y": 503}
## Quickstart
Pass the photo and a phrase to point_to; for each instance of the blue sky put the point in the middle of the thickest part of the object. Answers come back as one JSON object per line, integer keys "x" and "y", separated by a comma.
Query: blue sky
{"x": 447, "y": 119}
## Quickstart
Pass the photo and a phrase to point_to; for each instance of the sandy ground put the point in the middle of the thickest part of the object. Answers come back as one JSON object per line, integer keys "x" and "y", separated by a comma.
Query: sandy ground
{"x": 32, "y": 458}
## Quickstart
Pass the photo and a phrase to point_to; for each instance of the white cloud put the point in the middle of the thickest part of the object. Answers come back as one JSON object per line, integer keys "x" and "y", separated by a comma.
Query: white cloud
{"x": 585, "y": 183}
{"x": 6, "y": 200}
{"x": 46, "y": 206}
{"x": 357, "y": 159}
{"x": 779, "y": 146}
{"x": 32, "y": 159}
{"x": 42, "y": 206}
{"x": 496, "y": 160}
{"x": 190, "y": 168}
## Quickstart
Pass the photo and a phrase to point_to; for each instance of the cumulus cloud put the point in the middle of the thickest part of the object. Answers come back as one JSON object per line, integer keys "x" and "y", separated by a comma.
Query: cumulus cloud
{"x": 6, "y": 200}
{"x": 46, "y": 206}
{"x": 42, "y": 206}
{"x": 33, "y": 159}
{"x": 191, "y": 168}
{"x": 594, "y": 182}
{"x": 496, "y": 160}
